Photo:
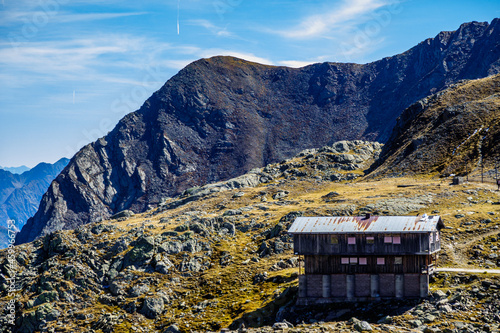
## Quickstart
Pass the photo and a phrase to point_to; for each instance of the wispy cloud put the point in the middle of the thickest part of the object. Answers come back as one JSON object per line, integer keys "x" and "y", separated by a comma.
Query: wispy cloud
{"x": 55, "y": 16}
{"x": 218, "y": 31}
{"x": 349, "y": 12}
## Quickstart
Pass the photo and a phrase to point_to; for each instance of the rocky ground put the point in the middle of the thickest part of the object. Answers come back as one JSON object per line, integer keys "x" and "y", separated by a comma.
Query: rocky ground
{"x": 218, "y": 257}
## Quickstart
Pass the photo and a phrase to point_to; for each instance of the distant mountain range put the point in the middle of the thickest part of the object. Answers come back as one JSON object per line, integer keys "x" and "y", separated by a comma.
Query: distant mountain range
{"x": 220, "y": 117}
{"x": 20, "y": 194}
{"x": 17, "y": 170}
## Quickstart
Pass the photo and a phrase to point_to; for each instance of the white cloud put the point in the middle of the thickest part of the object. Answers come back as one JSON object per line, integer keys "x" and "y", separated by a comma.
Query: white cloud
{"x": 295, "y": 63}
{"x": 242, "y": 55}
{"x": 349, "y": 12}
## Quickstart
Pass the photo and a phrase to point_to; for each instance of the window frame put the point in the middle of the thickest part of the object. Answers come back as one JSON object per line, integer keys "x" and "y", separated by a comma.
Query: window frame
{"x": 396, "y": 239}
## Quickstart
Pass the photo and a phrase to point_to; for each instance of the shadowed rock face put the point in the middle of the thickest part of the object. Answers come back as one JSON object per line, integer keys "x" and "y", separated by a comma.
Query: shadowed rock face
{"x": 220, "y": 117}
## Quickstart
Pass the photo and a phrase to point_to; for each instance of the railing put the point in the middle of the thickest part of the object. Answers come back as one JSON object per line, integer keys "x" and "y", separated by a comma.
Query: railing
{"x": 429, "y": 269}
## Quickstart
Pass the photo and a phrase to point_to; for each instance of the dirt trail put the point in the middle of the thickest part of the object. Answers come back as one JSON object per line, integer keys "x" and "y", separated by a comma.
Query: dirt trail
{"x": 458, "y": 255}
{"x": 468, "y": 270}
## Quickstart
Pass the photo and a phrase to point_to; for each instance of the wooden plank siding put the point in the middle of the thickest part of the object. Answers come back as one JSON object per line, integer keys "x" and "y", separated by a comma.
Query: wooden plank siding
{"x": 325, "y": 244}
{"x": 323, "y": 264}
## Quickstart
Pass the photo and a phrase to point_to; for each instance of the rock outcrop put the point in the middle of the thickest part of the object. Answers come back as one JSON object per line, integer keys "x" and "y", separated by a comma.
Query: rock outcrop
{"x": 221, "y": 117}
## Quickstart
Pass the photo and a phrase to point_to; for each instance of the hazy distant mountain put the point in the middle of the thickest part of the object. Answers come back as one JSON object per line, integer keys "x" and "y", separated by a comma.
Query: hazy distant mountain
{"x": 17, "y": 170}
{"x": 220, "y": 117}
{"x": 20, "y": 194}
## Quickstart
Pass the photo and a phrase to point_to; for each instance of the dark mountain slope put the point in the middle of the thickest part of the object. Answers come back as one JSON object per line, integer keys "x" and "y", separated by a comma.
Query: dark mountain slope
{"x": 220, "y": 117}
{"x": 448, "y": 132}
{"x": 20, "y": 194}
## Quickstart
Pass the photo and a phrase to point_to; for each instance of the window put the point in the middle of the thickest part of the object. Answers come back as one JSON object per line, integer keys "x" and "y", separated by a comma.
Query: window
{"x": 396, "y": 239}
{"x": 437, "y": 236}
{"x": 334, "y": 240}
{"x": 380, "y": 261}
{"x": 363, "y": 261}
{"x": 353, "y": 260}
{"x": 351, "y": 240}
{"x": 387, "y": 239}
{"x": 398, "y": 260}
{"x": 344, "y": 261}
{"x": 370, "y": 240}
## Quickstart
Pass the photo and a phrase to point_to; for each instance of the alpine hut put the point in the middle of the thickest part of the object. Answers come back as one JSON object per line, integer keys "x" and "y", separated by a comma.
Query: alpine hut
{"x": 362, "y": 258}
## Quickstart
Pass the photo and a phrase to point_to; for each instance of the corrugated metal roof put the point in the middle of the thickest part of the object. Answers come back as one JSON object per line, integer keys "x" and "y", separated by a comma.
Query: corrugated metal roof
{"x": 363, "y": 224}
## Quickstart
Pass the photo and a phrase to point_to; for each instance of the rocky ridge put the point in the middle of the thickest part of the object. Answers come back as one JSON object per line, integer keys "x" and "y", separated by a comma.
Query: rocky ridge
{"x": 221, "y": 117}
{"x": 225, "y": 259}
{"x": 452, "y": 132}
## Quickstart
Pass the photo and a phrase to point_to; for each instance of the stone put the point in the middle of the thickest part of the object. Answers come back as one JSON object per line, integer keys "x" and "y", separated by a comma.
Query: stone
{"x": 120, "y": 246}
{"x": 385, "y": 320}
{"x": 139, "y": 290}
{"x": 362, "y": 326}
{"x": 190, "y": 265}
{"x": 428, "y": 318}
{"x": 164, "y": 266}
{"x": 280, "y": 195}
{"x": 232, "y": 212}
{"x": 171, "y": 247}
{"x": 152, "y": 307}
{"x": 122, "y": 214}
{"x": 439, "y": 294}
{"x": 47, "y": 297}
{"x": 172, "y": 329}
{"x": 142, "y": 251}
{"x": 280, "y": 326}
{"x": 116, "y": 288}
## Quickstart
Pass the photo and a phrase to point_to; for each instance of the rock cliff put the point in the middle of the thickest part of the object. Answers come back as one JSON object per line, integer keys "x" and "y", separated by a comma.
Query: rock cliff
{"x": 221, "y": 117}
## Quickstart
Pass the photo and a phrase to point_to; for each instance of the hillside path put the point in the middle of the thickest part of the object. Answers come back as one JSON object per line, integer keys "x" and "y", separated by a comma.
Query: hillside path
{"x": 459, "y": 257}
{"x": 467, "y": 270}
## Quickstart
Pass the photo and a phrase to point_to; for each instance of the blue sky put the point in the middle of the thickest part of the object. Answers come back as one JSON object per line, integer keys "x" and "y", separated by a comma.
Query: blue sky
{"x": 70, "y": 69}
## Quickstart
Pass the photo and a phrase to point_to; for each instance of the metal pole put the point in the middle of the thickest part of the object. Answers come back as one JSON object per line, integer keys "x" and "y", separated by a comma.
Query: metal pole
{"x": 482, "y": 169}
{"x": 496, "y": 171}
{"x": 467, "y": 169}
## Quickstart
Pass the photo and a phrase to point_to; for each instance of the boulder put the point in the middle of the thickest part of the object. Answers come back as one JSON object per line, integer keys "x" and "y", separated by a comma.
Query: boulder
{"x": 362, "y": 326}
{"x": 122, "y": 214}
{"x": 152, "y": 307}
{"x": 142, "y": 251}
{"x": 139, "y": 290}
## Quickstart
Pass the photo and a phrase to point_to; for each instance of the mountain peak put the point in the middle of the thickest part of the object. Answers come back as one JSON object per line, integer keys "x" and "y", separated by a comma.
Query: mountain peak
{"x": 223, "y": 116}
